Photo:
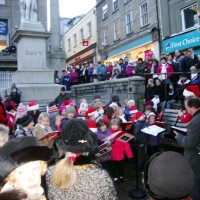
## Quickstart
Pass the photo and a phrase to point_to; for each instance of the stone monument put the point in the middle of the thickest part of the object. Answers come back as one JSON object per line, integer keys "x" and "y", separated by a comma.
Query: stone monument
{"x": 34, "y": 79}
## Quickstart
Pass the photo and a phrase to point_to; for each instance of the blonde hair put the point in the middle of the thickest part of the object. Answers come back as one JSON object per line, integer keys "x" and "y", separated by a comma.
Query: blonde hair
{"x": 4, "y": 134}
{"x": 116, "y": 121}
{"x": 98, "y": 105}
{"x": 43, "y": 165}
{"x": 42, "y": 116}
{"x": 58, "y": 117}
{"x": 65, "y": 175}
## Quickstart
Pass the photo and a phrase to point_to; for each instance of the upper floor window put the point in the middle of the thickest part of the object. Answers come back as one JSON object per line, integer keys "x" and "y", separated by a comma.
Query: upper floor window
{"x": 125, "y": 1}
{"x": 115, "y": 5}
{"x": 189, "y": 18}
{"x": 129, "y": 23}
{"x": 69, "y": 44}
{"x": 105, "y": 36}
{"x": 2, "y": 2}
{"x": 89, "y": 27}
{"x": 144, "y": 18}
{"x": 81, "y": 35}
{"x": 116, "y": 30}
{"x": 105, "y": 11}
{"x": 75, "y": 40}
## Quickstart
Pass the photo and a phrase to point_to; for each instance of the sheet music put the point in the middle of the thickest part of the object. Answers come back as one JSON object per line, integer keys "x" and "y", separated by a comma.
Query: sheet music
{"x": 153, "y": 130}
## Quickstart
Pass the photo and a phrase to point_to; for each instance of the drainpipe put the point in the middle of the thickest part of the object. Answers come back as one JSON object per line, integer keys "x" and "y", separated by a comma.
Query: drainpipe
{"x": 158, "y": 30}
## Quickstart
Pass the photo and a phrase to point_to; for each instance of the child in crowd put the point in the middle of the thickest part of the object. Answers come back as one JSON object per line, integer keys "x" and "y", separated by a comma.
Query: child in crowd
{"x": 42, "y": 128}
{"x": 70, "y": 115}
{"x": 24, "y": 126}
{"x": 82, "y": 110}
{"x": 63, "y": 111}
{"x": 58, "y": 120}
{"x": 120, "y": 114}
{"x": 118, "y": 150}
{"x": 172, "y": 97}
{"x": 99, "y": 107}
{"x": 129, "y": 104}
{"x": 102, "y": 133}
{"x": 33, "y": 110}
{"x": 153, "y": 141}
{"x": 92, "y": 115}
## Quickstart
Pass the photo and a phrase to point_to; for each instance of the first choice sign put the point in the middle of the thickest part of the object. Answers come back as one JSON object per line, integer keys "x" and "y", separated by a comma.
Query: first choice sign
{"x": 181, "y": 42}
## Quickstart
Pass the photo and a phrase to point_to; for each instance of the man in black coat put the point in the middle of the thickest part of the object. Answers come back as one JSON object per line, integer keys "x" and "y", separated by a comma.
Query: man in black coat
{"x": 191, "y": 140}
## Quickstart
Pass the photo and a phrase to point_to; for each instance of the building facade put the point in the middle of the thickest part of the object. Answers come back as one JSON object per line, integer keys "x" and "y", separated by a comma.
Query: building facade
{"x": 81, "y": 40}
{"x": 179, "y": 25}
{"x": 10, "y": 19}
{"x": 128, "y": 28}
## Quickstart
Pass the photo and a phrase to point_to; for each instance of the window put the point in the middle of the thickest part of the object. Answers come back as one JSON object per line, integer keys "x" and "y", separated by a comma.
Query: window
{"x": 105, "y": 36}
{"x": 189, "y": 18}
{"x": 69, "y": 44}
{"x": 144, "y": 18}
{"x": 105, "y": 11}
{"x": 89, "y": 27}
{"x": 116, "y": 30}
{"x": 2, "y": 2}
{"x": 115, "y": 5}
{"x": 81, "y": 35}
{"x": 75, "y": 41}
{"x": 129, "y": 23}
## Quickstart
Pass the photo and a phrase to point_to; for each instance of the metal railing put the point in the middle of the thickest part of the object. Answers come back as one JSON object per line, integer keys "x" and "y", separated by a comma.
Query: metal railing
{"x": 5, "y": 80}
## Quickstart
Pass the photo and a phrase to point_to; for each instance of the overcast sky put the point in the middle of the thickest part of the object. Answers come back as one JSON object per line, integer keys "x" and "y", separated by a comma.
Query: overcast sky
{"x": 72, "y": 8}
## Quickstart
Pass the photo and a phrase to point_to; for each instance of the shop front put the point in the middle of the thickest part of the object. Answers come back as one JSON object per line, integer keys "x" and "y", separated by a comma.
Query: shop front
{"x": 182, "y": 42}
{"x": 143, "y": 47}
{"x": 84, "y": 57}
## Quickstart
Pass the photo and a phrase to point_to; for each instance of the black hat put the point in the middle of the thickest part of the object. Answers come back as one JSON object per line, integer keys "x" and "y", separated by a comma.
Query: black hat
{"x": 168, "y": 175}
{"x": 97, "y": 96}
{"x": 19, "y": 151}
{"x": 63, "y": 89}
{"x": 76, "y": 137}
{"x": 115, "y": 98}
{"x": 25, "y": 120}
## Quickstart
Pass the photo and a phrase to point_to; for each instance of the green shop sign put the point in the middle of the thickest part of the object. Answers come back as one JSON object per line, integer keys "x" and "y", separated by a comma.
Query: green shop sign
{"x": 180, "y": 42}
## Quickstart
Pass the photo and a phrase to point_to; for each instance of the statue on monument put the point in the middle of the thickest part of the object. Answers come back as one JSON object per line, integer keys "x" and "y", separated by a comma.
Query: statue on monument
{"x": 27, "y": 10}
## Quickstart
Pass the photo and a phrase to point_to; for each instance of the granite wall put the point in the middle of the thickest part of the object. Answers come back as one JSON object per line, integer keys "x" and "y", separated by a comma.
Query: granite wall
{"x": 125, "y": 88}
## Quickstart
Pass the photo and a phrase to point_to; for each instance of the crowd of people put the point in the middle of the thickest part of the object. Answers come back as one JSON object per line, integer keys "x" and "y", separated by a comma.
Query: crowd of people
{"x": 69, "y": 137}
{"x": 167, "y": 69}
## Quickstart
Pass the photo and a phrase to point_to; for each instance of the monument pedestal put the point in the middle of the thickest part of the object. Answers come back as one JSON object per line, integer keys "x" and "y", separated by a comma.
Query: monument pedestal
{"x": 33, "y": 78}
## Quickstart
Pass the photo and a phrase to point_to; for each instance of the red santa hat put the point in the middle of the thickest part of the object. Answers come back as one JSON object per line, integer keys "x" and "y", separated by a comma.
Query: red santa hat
{"x": 33, "y": 105}
{"x": 139, "y": 116}
{"x": 69, "y": 102}
{"x": 92, "y": 125}
{"x": 133, "y": 110}
{"x": 91, "y": 111}
{"x": 131, "y": 101}
{"x": 192, "y": 90}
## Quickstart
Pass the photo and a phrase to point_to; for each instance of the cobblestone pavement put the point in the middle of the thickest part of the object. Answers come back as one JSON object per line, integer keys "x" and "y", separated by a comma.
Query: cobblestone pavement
{"x": 129, "y": 184}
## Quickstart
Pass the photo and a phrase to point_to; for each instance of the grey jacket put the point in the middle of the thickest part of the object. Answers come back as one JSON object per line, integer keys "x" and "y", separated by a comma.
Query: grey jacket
{"x": 190, "y": 141}
{"x": 92, "y": 184}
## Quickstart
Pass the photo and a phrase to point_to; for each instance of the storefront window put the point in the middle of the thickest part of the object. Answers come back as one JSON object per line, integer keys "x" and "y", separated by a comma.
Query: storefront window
{"x": 189, "y": 18}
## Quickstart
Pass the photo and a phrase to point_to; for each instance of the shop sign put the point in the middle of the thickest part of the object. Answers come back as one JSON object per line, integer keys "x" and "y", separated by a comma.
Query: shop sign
{"x": 77, "y": 58}
{"x": 85, "y": 42}
{"x": 3, "y": 27}
{"x": 148, "y": 54}
{"x": 181, "y": 42}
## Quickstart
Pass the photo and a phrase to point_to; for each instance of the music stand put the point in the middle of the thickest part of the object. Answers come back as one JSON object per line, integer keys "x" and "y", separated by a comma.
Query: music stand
{"x": 137, "y": 193}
